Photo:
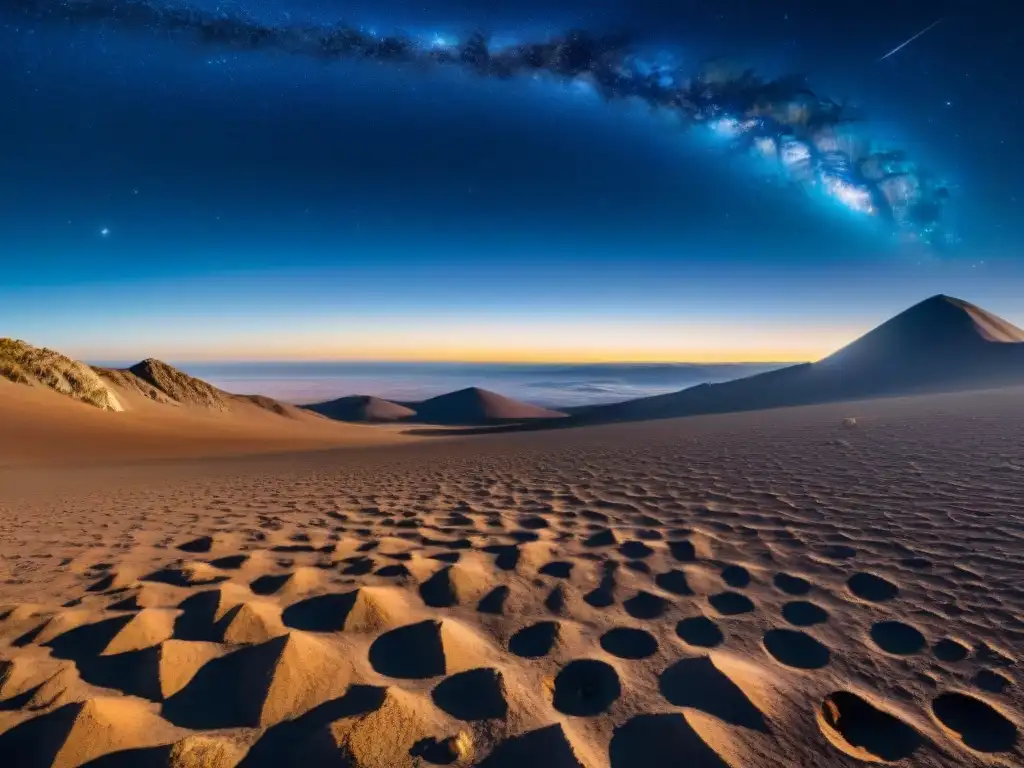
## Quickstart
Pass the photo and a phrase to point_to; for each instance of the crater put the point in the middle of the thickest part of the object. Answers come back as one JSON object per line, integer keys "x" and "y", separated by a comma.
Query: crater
{"x": 731, "y": 603}
{"x": 646, "y": 741}
{"x": 629, "y": 643}
{"x": 861, "y": 730}
{"x": 202, "y": 544}
{"x": 559, "y": 569}
{"x": 323, "y": 613}
{"x": 674, "y": 581}
{"x": 796, "y": 649}
{"x": 698, "y": 684}
{"x": 494, "y": 601}
{"x": 736, "y": 576}
{"x": 801, "y": 613}
{"x": 699, "y": 631}
{"x": 897, "y": 638}
{"x": 410, "y": 652}
{"x": 978, "y": 725}
{"x": 548, "y": 746}
{"x": 585, "y": 687}
{"x": 950, "y": 650}
{"x": 644, "y": 605}
{"x": 635, "y": 550}
{"x": 991, "y": 681}
{"x": 683, "y": 551}
{"x": 602, "y": 538}
{"x": 534, "y": 641}
{"x": 874, "y": 589}
{"x": 478, "y": 694}
{"x": 791, "y": 585}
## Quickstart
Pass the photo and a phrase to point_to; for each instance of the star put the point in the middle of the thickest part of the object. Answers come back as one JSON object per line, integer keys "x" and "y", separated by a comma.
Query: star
{"x": 105, "y": 232}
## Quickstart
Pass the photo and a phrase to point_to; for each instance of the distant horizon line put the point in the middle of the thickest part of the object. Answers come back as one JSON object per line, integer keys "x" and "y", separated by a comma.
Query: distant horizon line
{"x": 109, "y": 362}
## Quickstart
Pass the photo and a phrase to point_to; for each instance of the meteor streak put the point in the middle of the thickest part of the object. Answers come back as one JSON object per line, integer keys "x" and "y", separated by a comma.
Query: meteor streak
{"x": 908, "y": 41}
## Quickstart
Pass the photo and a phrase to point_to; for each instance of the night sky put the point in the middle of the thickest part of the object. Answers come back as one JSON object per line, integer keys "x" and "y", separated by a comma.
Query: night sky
{"x": 164, "y": 195}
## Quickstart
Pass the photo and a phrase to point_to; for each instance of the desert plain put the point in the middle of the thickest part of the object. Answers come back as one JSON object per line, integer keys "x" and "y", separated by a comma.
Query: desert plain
{"x": 759, "y": 589}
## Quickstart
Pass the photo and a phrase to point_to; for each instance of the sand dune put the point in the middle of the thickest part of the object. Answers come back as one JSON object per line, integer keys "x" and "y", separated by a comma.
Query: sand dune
{"x": 362, "y": 408}
{"x": 466, "y": 407}
{"x": 942, "y": 344}
{"x": 748, "y": 590}
{"x": 475, "y": 406}
{"x": 43, "y": 426}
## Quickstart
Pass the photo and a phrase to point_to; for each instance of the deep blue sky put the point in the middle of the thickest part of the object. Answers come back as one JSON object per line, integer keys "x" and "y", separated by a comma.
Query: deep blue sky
{"x": 260, "y": 205}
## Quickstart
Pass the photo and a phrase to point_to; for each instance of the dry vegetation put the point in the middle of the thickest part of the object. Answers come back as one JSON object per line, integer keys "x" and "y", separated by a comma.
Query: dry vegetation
{"x": 178, "y": 385}
{"x": 24, "y": 364}
{"x": 129, "y": 382}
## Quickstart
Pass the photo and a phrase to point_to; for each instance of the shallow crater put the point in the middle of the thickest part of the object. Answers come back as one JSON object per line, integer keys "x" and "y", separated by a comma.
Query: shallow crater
{"x": 585, "y": 687}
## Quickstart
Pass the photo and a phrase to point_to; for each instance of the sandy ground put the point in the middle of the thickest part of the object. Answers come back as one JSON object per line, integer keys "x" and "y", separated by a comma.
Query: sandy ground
{"x": 762, "y": 589}
{"x": 40, "y": 426}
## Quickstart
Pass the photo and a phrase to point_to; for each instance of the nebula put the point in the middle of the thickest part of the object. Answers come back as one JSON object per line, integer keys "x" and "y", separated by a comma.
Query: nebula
{"x": 811, "y": 140}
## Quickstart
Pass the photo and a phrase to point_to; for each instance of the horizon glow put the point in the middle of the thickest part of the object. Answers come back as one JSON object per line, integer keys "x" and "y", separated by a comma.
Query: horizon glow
{"x": 311, "y": 317}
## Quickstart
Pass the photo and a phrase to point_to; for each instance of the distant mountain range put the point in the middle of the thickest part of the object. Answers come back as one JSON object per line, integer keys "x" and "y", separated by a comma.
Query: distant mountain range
{"x": 151, "y": 379}
{"x": 942, "y": 344}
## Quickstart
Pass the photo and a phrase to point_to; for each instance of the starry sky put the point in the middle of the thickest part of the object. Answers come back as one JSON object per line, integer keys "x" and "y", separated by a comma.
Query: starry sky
{"x": 164, "y": 196}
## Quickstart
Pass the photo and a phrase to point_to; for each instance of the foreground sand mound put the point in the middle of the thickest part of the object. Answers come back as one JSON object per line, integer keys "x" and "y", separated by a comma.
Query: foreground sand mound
{"x": 144, "y": 629}
{"x": 77, "y": 733}
{"x": 551, "y": 747}
{"x": 289, "y": 586}
{"x": 362, "y": 408}
{"x": 155, "y": 673}
{"x": 203, "y": 610}
{"x": 24, "y": 364}
{"x": 251, "y": 622}
{"x": 201, "y": 751}
{"x": 178, "y": 661}
{"x": 386, "y": 737}
{"x": 22, "y": 675}
{"x": 263, "y": 684}
{"x": 461, "y": 584}
{"x": 364, "y": 610}
{"x": 428, "y": 649}
{"x": 54, "y": 625}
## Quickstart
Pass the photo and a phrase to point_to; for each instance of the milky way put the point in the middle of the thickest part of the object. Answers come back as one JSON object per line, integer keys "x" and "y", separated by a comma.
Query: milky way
{"x": 810, "y": 140}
